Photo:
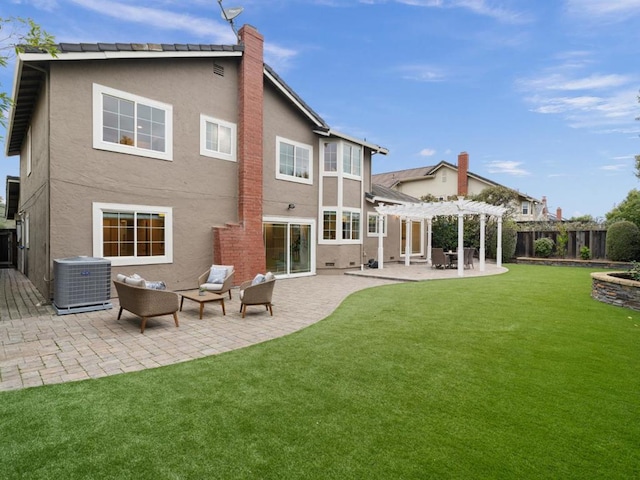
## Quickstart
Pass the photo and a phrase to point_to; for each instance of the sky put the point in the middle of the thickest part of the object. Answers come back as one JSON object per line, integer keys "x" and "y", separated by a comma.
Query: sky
{"x": 542, "y": 94}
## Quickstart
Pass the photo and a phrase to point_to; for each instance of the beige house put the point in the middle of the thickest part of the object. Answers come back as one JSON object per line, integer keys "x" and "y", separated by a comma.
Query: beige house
{"x": 167, "y": 158}
{"x": 446, "y": 181}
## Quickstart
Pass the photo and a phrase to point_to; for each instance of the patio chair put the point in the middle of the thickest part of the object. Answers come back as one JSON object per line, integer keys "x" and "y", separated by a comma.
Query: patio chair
{"x": 438, "y": 258}
{"x": 257, "y": 292}
{"x": 218, "y": 279}
{"x": 468, "y": 257}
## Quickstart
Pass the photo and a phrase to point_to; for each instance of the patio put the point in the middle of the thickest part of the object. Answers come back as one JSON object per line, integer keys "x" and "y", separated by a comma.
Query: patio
{"x": 38, "y": 347}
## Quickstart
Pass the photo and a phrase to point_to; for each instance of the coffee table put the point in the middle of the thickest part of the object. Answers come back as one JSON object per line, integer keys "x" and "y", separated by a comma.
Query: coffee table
{"x": 202, "y": 299}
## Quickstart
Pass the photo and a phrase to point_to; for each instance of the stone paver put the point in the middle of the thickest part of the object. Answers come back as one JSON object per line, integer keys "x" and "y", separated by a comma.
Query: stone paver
{"x": 45, "y": 348}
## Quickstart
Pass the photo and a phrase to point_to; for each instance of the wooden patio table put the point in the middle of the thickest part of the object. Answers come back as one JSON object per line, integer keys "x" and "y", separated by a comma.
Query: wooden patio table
{"x": 195, "y": 296}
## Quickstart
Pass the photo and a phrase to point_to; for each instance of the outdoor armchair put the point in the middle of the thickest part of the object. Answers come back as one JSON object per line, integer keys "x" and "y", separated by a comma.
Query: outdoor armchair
{"x": 438, "y": 258}
{"x": 146, "y": 303}
{"x": 218, "y": 279}
{"x": 256, "y": 292}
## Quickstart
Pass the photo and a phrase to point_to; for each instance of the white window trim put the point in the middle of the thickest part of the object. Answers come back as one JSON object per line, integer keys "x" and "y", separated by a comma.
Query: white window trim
{"x": 336, "y": 172}
{"x": 100, "y": 208}
{"x": 384, "y": 225}
{"x": 349, "y": 241}
{"x": 100, "y": 144}
{"x": 204, "y": 151}
{"x": 341, "y": 159}
{"x": 292, "y": 178}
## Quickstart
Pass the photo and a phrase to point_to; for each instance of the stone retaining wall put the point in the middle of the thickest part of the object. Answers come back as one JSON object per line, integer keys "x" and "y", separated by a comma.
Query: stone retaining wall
{"x": 615, "y": 291}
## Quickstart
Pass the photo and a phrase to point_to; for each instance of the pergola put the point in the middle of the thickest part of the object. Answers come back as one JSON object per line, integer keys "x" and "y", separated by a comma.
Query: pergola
{"x": 420, "y": 211}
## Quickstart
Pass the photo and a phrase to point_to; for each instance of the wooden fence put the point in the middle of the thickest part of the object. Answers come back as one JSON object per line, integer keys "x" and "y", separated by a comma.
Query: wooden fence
{"x": 595, "y": 239}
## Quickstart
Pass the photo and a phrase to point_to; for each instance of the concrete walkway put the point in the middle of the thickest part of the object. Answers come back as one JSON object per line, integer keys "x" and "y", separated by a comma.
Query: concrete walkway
{"x": 38, "y": 347}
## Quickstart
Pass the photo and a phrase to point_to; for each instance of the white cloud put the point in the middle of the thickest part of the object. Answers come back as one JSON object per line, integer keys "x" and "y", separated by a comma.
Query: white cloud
{"x": 423, "y": 73}
{"x": 615, "y": 168}
{"x": 616, "y": 10}
{"x": 589, "y": 99}
{"x": 427, "y": 152}
{"x": 214, "y": 32}
{"x": 508, "y": 168}
{"x": 484, "y": 8}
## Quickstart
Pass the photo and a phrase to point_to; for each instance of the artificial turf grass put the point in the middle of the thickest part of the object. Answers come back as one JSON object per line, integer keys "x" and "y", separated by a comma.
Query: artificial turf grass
{"x": 519, "y": 375}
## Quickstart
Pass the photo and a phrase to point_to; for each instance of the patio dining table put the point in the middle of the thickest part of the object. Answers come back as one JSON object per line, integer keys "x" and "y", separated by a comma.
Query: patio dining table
{"x": 452, "y": 258}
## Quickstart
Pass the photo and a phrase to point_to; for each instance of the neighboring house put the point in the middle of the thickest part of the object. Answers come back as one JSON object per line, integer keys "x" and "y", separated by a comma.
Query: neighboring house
{"x": 445, "y": 181}
{"x": 166, "y": 158}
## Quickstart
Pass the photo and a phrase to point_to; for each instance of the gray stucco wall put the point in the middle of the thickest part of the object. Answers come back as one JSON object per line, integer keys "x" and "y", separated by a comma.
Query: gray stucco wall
{"x": 202, "y": 191}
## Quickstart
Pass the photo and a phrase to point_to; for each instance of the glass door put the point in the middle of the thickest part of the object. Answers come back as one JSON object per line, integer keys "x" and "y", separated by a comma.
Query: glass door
{"x": 288, "y": 248}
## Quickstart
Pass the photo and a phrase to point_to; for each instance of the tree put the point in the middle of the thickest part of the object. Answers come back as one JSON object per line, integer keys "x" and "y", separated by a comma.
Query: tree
{"x": 16, "y": 34}
{"x": 628, "y": 209}
{"x": 499, "y": 196}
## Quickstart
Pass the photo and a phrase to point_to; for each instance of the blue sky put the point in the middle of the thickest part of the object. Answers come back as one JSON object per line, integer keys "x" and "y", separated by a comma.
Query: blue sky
{"x": 542, "y": 94}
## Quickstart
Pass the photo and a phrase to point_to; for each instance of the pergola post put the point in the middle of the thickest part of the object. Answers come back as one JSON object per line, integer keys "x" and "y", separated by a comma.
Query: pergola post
{"x": 499, "y": 247}
{"x": 483, "y": 222}
{"x": 380, "y": 240}
{"x": 407, "y": 241}
{"x": 429, "y": 237}
{"x": 461, "y": 245}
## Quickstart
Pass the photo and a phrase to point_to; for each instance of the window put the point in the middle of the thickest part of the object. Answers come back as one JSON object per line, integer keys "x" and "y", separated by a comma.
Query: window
{"x": 330, "y": 157}
{"x": 217, "y": 138}
{"x": 350, "y": 225}
{"x": 130, "y": 124}
{"x": 329, "y": 225}
{"x": 525, "y": 208}
{"x": 351, "y": 160}
{"x": 372, "y": 225}
{"x": 444, "y": 176}
{"x": 294, "y": 161}
{"x": 132, "y": 234}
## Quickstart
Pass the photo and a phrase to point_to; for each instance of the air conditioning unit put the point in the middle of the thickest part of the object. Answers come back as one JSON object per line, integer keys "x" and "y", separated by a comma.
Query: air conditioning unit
{"x": 81, "y": 284}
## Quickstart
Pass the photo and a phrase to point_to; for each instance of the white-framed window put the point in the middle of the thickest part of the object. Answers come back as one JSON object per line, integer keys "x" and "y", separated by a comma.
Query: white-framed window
{"x": 350, "y": 225}
{"x": 27, "y": 151}
{"x": 372, "y": 225}
{"x": 330, "y": 156}
{"x": 330, "y": 225}
{"x": 217, "y": 138}
{"x": 133, "y": 234}
{"x": 127, "y": 123}
{"x": 294, "y": 161}
{"x": 351, "y": 160}
{"x": 444, "y": 176}
{"x": 525, "y": 208}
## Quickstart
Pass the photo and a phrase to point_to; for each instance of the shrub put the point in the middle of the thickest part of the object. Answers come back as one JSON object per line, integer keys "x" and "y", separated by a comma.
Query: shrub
{"x": 543, "y": 247}
{"x": 509, "y": 240}
{"x": 585, "y": 253}
{"x": 623, "y": 242}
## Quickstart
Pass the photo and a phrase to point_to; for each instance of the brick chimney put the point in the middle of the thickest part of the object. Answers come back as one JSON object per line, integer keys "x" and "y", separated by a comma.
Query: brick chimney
{"x": 463, "y": 170}
{"x": 241, "y": 244}
{"x": 559, "y": 214}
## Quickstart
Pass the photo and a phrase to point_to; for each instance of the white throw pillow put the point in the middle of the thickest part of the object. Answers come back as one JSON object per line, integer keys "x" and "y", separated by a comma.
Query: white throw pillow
{"x": 259, "y": 278}
{"x": 269, "y": 276}
{"x": 217, "y": 275}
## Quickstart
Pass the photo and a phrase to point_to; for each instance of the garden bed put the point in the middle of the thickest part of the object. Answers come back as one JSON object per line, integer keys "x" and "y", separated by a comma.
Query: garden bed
{"x": 574, "y": 262}
{"x": 616, "y": 288}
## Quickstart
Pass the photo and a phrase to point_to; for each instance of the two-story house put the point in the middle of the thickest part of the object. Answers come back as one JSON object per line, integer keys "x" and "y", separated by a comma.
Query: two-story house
{"x": 165, "y": 158}
{"x": 446, "y": 181}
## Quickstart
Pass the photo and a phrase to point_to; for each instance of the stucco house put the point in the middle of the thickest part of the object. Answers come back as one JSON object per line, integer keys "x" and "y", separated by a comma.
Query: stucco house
{"x": 446, "y": 181}
{"x": 166, "y": 158}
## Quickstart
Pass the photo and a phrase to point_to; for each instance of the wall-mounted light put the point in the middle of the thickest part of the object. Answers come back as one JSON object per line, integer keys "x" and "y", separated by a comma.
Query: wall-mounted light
{"x": 291, "y": 206}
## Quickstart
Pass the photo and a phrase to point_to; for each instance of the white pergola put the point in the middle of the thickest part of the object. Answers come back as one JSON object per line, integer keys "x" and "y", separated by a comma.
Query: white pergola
{"x": 420, "y": 211}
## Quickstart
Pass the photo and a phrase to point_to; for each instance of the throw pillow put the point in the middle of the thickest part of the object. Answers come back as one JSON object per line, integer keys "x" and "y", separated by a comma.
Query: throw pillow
{"x": 269, "y": 276}
{"x": 217, "y": 275}
{"x": 259, "y": 278}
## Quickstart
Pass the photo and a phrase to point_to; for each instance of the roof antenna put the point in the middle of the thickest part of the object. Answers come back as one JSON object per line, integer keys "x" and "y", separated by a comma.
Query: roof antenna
{"x": 229, "y": 14}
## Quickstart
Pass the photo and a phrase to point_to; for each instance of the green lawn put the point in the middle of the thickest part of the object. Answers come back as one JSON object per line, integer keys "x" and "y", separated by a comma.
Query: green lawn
{"x": 515, "y": 376}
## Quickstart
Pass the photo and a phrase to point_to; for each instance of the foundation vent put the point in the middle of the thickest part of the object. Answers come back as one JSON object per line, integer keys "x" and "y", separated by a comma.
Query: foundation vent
{"x": 218, "y": 69}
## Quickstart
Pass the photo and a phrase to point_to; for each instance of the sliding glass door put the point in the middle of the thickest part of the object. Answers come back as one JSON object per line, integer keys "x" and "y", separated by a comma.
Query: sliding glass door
{"x": 288, "y": 246}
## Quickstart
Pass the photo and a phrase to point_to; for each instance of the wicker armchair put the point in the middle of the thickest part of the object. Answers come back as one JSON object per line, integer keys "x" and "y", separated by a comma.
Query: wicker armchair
{"x": 219, "y": 288}
{"x": 259, "y": 294}
{"x": 147, "y": 303}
